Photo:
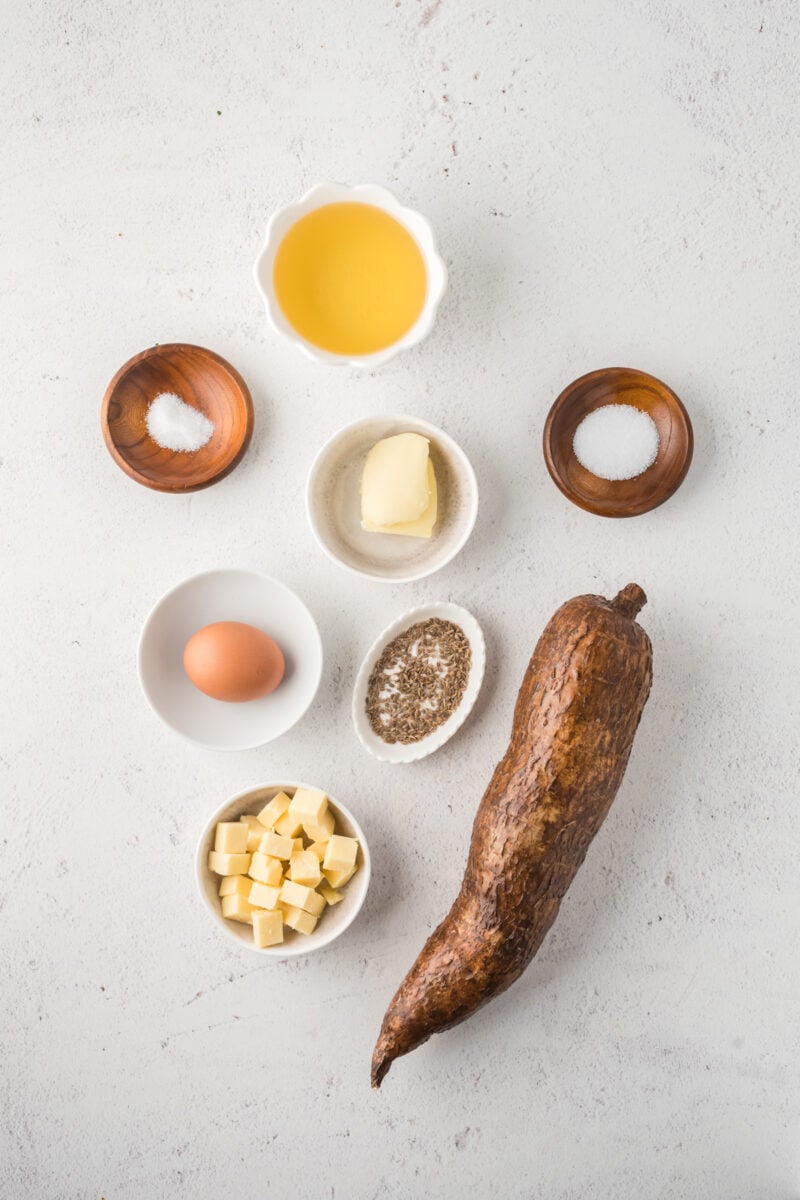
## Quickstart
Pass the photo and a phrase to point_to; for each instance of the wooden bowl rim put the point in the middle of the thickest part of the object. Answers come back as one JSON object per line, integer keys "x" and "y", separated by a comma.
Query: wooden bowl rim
{"x": 598, "y": 508}
{"x": 154, "y": 484}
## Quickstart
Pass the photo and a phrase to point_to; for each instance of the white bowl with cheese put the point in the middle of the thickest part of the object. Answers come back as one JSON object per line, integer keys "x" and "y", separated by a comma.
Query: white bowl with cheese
{"x": 334, "y": 503}
{"x": 332, "y": 922}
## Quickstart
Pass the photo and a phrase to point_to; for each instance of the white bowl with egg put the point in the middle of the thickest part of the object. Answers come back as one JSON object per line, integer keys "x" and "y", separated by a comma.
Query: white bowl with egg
{"x": 400, "y": 752}
{"x": 333, "y": 921}
{"x": 333, "y": 503}
{"x": 229, "y": 595}
{"x": 378, "y": 197}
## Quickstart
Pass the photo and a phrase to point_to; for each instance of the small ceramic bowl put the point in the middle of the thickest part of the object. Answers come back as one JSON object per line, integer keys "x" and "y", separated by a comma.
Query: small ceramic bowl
{"x": 333, "y": 921}
{"x": 229, "y": 596}
{"x": 400, "y": 752}
{"x": 333, "y": 193}
{"x": 620, "y": 497}
{"x": 203, "y": 380}
{"x": 333, "y": 503}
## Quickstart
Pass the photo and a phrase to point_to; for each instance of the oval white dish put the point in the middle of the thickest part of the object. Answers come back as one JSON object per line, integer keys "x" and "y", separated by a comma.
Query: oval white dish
{"x": 366, "y": 193}
{"x": 334, "y": 920}
{"x": 228, "y": 595}
{"x": 333, "y": 503}
{"x": 399, "y": 752}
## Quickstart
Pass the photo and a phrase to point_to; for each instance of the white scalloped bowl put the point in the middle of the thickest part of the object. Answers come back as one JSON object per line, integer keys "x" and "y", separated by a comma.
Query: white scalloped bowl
{"x": 399, "y": 752}
{"x": 366, "y": 193}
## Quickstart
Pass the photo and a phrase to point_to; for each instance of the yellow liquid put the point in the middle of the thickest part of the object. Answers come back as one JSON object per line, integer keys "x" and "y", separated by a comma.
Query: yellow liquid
{"x": 349, "y": 278}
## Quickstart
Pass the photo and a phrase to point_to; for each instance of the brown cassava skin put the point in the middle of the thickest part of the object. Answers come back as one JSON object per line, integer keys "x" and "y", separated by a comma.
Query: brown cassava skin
{"x": 574, "y": 722}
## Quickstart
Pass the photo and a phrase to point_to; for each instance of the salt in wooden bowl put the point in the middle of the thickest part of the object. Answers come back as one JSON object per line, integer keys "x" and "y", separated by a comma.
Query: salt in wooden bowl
{"x": 621, "y": 497}
{"x": 203, "y": 380}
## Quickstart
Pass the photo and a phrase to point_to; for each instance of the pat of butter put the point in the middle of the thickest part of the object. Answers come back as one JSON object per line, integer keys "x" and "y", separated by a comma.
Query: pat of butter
{"x": 423, "y": 526}
{"x": 231, "y": 837}
{"x": 267, "y": 929}
{"x": 395, "y": 483}
{"x": 275, "y": 809}
{"x": 262, "y": 896}
{"x": 228, "y": 864}
{"x": 340, "y": 854}
{"x": 300, "y": 920}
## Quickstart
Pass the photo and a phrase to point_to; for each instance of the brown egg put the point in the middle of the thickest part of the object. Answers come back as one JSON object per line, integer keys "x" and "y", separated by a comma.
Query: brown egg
{"x": 232, "y": 661}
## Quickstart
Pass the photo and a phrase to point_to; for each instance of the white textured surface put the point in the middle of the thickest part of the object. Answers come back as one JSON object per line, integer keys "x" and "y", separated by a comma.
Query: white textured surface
{"x": 610, "y": 184}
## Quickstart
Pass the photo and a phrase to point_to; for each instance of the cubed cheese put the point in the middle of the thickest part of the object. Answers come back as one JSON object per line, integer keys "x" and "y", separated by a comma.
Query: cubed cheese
{"x": 263, "y": 896}
{"x": 298, "y": 845}
{"x": 318, "y": 849}
{"x": 299, "y": 919}
{"x": 265, "y": 869}
{"x": 297, "y": 895}
{"x": 304, "y": 868}
{"x": 322, "y": 830}
{"x": 267, "y": 928}
{"x": 237, "y": 908}
{"x": 230, "y": 885}
{"x": 330, "y": 894}
{"x": 231, "y": 837}
{"x": 275, "y": 809}
{"x": 340, "y": 854}
{"x": 308, "y": 806}
{"x": 338, "y": 879}
{"x": 288, "y": 825}
{"x": 228, "y": 864}
{"x": 276, "y": 846}
{"x": 255, "y": 831}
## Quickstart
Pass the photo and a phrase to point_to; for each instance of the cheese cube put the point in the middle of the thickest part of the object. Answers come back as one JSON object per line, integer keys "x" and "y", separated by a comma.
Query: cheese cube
{"x": 276, "y": 846}
{"x": 298, "y": 845}
{"x": 338, "y": 879}
{"x": 275, "y": 809}
{"x": 266, "y": 870}
{"x": 341, "y": 853}
{"x": 232, "y": 885}
{"x": 263, "y": 896}
{"x": 304, "y": 868}
{"x": 254, "y": 831}
{"x": 288, "y": 825}
{"x": 309, "y": 806}
{"x": 231, "y": 837}
{"x": 299, "y": 919}
{"x": 228, "y": 864}
{"x": 322, "y": 829}
{"x": 267, "y": 928}
{"x": 330, "y": 894}
{"x": 297, "y": 895}
{"x": 318, "y": 849}
{"x": 238, "y": 908}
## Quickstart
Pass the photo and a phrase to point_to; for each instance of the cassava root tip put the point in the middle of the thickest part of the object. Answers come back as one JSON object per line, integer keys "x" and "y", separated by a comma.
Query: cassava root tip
{"x": 630, "y": 600}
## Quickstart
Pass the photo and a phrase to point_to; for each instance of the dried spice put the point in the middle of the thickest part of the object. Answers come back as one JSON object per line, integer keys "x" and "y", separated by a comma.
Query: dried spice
{"x": 418, "y": 681}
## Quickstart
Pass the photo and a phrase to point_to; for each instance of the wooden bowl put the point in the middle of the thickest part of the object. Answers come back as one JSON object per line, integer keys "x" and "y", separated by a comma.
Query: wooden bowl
{"x": 623, "y": 497}
{"x": 201, "y": 378}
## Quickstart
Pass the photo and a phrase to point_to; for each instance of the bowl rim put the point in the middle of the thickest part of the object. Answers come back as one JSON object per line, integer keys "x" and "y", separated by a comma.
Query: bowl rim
{"x": 153, "y": 484}
{"x": 330, "y": 192}
{"x": 443, "y": 733}
{"x": 416, "y": 424}
{"x": 314, "y": 941}
{"x": 187, "y": 737}
{"x": 598, "y": 508}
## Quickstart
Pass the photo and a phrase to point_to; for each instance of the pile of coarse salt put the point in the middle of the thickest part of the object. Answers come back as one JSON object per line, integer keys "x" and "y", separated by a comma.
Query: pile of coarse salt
{"x": 175, "y": 425}
{"x": 616, "y": 442}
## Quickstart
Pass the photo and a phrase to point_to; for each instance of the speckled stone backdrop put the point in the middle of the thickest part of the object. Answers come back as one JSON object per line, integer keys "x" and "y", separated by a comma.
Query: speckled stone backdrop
{"x": 611, "y": 183}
